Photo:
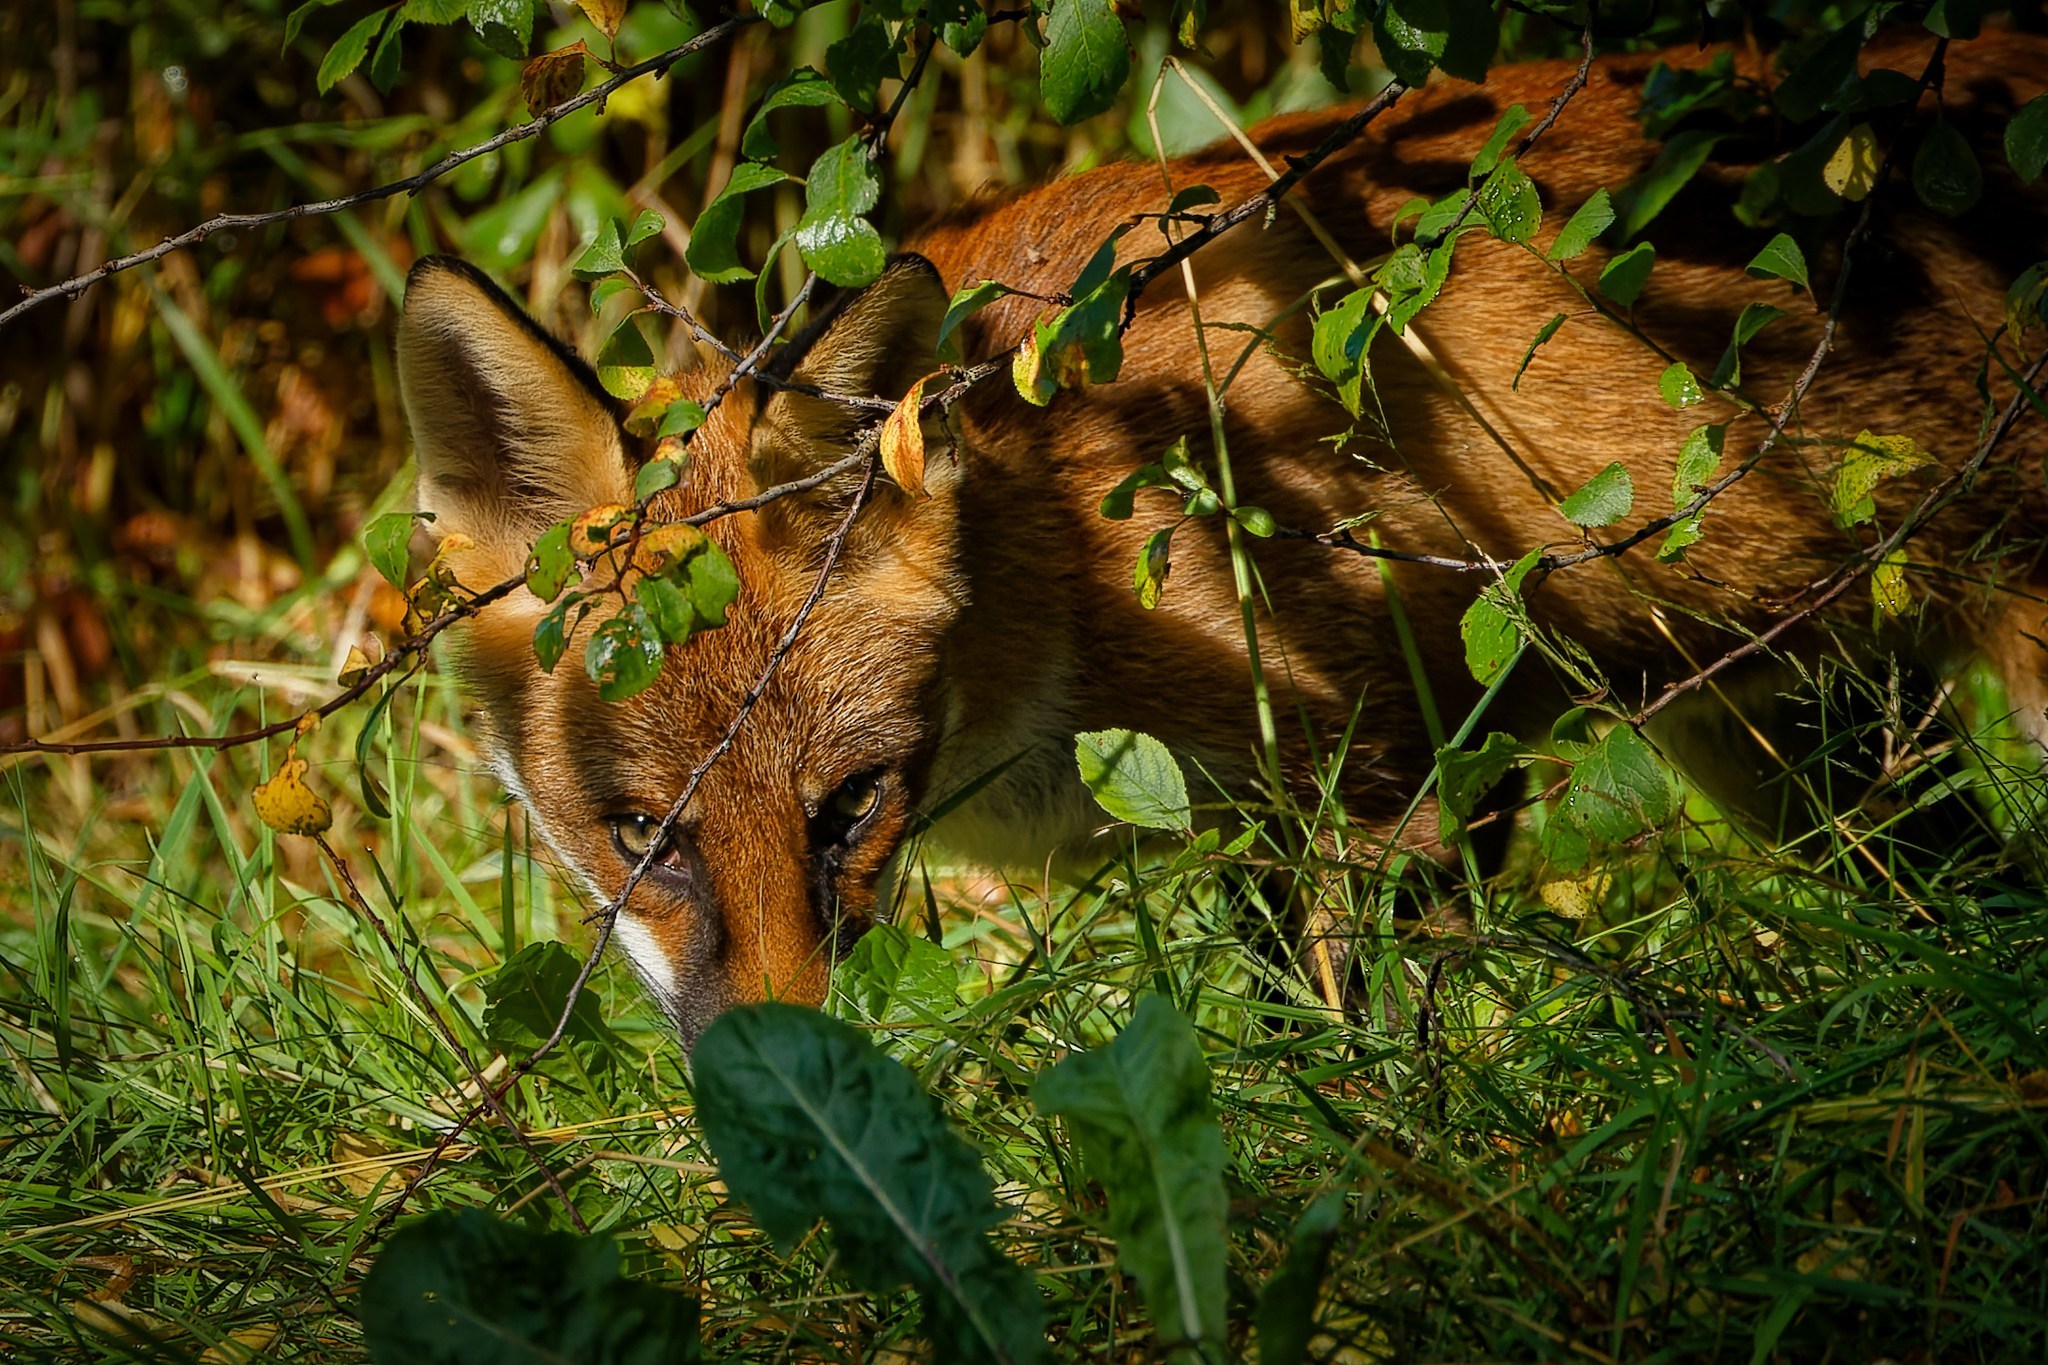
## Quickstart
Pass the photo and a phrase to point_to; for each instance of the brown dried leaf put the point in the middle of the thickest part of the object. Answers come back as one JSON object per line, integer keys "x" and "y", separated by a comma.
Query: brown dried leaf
{"x": 243, "y": 1346}
{"x": 903, "y": 441}
{"x": 553, "y": 77}
{"x": 288, "y": 805}
{"x": 604, "y": 14}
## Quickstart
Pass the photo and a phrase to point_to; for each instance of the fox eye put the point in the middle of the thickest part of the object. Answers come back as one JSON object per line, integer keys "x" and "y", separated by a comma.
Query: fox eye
{"x": 633, "y": 835}
{"x": 847, "y": 810}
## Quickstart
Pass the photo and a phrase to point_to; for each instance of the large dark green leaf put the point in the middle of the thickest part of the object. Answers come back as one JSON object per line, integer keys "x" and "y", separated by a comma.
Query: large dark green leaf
{"x": 1086, "y": 59}
{"x": 835, "y": 240}
{"x": 1643, "y": 198}
{"x": 1140, "y": 1110}
{"x": 464, "y": 1288}
{"x": 809, "y": 1121}
{"x": 713, "y": 252}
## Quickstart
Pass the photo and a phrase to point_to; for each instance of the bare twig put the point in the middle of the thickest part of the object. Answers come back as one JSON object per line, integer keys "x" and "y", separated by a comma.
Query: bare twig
{"x": 487, "y": 1097}
{"x": 1848, "y": 574}
{"x": 72, "y": 288}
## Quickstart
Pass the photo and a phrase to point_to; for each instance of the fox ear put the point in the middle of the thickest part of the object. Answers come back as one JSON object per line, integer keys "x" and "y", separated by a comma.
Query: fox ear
{"x": 876, "y": 344}
{"x": 511, "y": 429}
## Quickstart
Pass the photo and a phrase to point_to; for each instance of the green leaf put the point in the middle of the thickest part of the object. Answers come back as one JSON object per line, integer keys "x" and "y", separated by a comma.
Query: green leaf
{"x": 1139, "y": 1110}
{"x": 1492, "y": 626}
{"x": 1415, "y": 35}
{"x": 551, "y": 633}
{"x": 1148, "y": 577}
{"x": 625, "y": 366}
{"x": 1438, "y": 218}
{"x": 1781, "y": 257}
{"x": 645, "y": 224}
{"x": 349, "y": 50}
{"x": 1594, "y": 217}
{"x": 1753, "y": 319}
{"x": 808, "y": 1120}
{"x": 1086, "y": 59}
{"x": 1512, "y": 120}
{"x": 1815, "y": 83}
{"x": 1135, "y": 778}
{"x": 1619, "y": 788}
{"x": 623, "y": 655}
{"x": 1083, "y": 343}
{"x": 387, "y": 540}
{"x": 656, "y": 476}
{"x": 1465, "y": 776}
{"x": 1888, "y": 588}
{"x": 524, "y": 1000}
{"x": 464, "y": 1288}
{"x": 1680, "y": 387}
{"x": 1698, "y": 458}
{"x": 801, "y": 88}
{"x": 549, "y": 565}
{"x": 966, "y": 303}
{"x": 1192, "y": 197}
{"x": 2026, "y": 140}
{"x": 1543, "y": 334}
{"x": 1509, "y": 203}
{"x": 1285, "y": 1320}
{"x": 1946, "y": 175}
{"x": 385, "y": 64}
{"x": 681, "y": 418}
{"x": 834, "y": 239}
{"x": 1339, "y": 342}
{"x": 1256, "y": 521}
{"x": 857, "y": 63}
{"x": 1643, "y": 198}
{"x": 603, "y": 256}
{"x": 1870, "y": 460}
{"x": 893, "y": 976}
{"x": 1602, "y": 500}
{"x": 1120, "y": 501}
{"x": 713, "y": 253}
{"x": 1625, "y": 275}
{"x": 505, "y": 26}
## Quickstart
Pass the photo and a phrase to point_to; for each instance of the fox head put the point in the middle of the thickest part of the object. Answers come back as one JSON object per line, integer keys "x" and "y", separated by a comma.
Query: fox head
{"x": 776, "y": 863}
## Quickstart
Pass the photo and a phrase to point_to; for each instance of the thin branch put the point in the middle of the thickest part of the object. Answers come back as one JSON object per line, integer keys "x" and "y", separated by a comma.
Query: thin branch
{"x": 489, "y": 1098}
{"x": 72, "y": 288}
{"x": 1848, "y": 574}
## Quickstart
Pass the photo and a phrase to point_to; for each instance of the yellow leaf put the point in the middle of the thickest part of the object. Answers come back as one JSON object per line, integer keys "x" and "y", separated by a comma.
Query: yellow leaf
{"x": 355, "y": 666}
{"x": 308, "y": 723}
{"x": 1575, "y": 899}
{"x": 903, "y": 441}
{"x": 288, "y": 805}
{"x": 242, "y": 1346}
{"x": 604, "y": 15}
{"x": 1888, "y": 584}
{"x": 1852, "y": 171}
{"x": 1024, "y": 373}
{"x": 553, "y": 77}
{"x": 645, "y": 418}
{"x": 591, "y": 534}
{"x": 663, "y": 547}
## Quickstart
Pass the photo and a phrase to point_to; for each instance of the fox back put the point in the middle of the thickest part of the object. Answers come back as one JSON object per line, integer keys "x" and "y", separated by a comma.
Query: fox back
{"x": 968, "y": 633}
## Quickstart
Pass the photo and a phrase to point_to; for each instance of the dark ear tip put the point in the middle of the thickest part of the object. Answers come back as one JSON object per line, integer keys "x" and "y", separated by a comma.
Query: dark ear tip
{"x": 910, "y": 263}
{"x": 427, "y": 268}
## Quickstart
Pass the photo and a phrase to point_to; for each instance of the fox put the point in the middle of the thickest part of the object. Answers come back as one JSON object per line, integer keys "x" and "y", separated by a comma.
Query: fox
{"x": 971, "y": 629}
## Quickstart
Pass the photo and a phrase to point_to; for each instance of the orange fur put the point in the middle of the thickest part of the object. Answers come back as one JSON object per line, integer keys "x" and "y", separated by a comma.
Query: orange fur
{"x": 983, "y": 626}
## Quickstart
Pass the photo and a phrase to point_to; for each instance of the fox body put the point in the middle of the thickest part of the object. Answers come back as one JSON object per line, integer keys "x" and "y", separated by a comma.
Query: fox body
{"x": 967, "y": 635}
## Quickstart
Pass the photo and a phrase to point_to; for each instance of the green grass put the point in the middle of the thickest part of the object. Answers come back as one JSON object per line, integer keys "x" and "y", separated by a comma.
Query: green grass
{"x": 1759, "y": 1104}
